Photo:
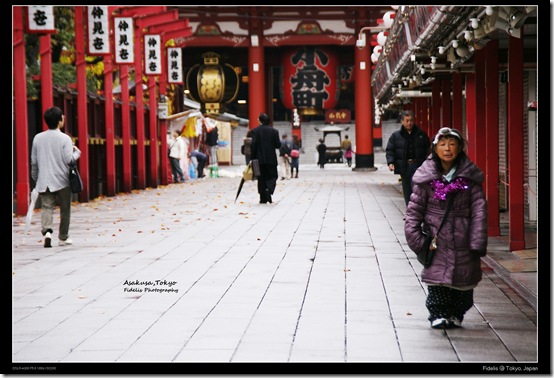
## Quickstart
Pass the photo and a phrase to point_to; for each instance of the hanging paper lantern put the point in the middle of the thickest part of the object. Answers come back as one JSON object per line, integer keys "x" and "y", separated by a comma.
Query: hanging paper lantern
{"x": 310, "y": 79}
{"x": 382, "y": 37}
{"x": 212, "y": 84}
{"x": 388, "y": 19}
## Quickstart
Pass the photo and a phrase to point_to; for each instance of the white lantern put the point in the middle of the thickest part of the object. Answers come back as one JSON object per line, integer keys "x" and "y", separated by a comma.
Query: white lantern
{"x": 378, "y": 49}
{"x": 388, "y": 19}
{"x": 374, "y": 58}
{"x": 382, "y": 37}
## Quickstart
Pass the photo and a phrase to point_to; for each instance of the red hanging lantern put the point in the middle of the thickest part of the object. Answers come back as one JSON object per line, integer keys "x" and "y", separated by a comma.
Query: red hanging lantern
{"x": 310, "y": 79}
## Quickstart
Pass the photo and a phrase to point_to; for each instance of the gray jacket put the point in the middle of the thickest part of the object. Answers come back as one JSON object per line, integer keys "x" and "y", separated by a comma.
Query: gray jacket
{"x": 463, "y": 237}
{"x": 51, "y": 153}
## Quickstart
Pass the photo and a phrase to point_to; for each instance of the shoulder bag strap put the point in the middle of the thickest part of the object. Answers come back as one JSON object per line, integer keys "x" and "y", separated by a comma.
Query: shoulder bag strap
{"x": 448, "y": 207}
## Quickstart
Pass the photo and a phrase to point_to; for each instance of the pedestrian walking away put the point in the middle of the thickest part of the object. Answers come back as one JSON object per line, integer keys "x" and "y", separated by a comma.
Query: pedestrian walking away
{"x": 246, "y": 148}
{"x": 176, "y": 152}
{"x": 295, "y": 156}
{"x": 321, "y": 154}
{"x": 265, "y": 142}
{"x": 51, "y": 153}
{"x": 449, "y": 175}
{"x": 406, "y": 150}
{"x": 284, "y": 157}
{"x": 346, "y": 147}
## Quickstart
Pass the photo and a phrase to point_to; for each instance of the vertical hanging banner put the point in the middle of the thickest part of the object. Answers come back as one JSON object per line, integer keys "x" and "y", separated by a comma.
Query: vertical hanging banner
{"x": 174, "y": 66}
{"x": 98, "y": 30}
{"x": 124, "y": 40}
{"x": 152, "y": 54}
{"x": 40, "y": 19}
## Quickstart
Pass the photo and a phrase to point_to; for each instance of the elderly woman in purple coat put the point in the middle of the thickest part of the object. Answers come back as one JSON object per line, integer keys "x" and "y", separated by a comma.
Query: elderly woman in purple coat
{"x": 449, "y": 175}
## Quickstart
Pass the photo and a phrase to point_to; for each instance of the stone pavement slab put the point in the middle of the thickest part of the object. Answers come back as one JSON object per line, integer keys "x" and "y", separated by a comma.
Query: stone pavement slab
{"x": 182, "y": 274}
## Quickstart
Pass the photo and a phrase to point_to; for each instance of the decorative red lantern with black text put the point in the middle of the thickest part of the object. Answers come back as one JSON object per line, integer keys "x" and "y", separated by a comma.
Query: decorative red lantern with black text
{"x": 310, "y": 79}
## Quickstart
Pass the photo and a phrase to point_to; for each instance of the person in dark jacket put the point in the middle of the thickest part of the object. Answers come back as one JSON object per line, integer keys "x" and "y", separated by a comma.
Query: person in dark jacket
{"x": 321, "y": 153}
{"x": 246, "y": 147}
{"x": 449, "y": 175}
{"x": 406, "y": 150}
{"x": 265, "y": 142}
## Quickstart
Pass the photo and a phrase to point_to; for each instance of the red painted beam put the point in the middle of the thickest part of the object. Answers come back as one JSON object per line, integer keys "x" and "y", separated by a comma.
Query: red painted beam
{"x": 175, "y": 25}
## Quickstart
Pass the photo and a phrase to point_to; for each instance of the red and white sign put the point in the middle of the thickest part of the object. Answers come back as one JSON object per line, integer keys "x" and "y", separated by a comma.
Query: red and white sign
{"x": 174, "y": 65}
{"x": 40, "y": 19}
{"x": 124, "y": 40}
{"x": 152, "y": 54}
{"x": 98, "y": 30}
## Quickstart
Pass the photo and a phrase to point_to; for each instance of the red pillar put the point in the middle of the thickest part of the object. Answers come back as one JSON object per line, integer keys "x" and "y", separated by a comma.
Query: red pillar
{"x": 109, "y": 117}
{"x": 492, "y": 164}
{"x": 471, "y": 117}
{"x": 457, "y": 101}
{"x": 46, "y": 91}
{"x": 256, "y": 84}
{"x": 446, "y": 104}
{"x": 364, "y": 157}
{"x": 435, "y": 123}
{"x": 153, "y": 131}
{"x": 515, "y": 141}
{"x": 139, "y": 100}
{"x": 82, "y": 97}
{"x": 125, "y": 128}
{"x": 480, "y": 119}
{"x": 21, "y": 145}
{"x": 164, "y": 160}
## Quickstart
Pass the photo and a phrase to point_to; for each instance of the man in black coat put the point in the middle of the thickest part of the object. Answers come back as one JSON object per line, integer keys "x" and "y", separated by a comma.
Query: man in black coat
{"x": 406, "y": 150}
{"x": 265, "y": 140}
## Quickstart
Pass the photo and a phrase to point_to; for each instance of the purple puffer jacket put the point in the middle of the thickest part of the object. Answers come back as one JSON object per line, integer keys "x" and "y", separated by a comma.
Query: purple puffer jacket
{"x": 463, "y": 237}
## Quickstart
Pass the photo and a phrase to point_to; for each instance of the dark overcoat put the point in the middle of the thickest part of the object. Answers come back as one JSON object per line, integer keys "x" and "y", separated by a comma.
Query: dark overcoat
{"x": 265, "y": 140}
{"x": 397, "y": 145}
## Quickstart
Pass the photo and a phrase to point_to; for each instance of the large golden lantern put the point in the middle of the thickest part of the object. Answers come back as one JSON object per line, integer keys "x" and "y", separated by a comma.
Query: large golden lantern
{"x": 212, "y": 84}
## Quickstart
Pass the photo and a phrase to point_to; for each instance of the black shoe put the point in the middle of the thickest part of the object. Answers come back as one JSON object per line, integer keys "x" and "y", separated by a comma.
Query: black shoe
{"x": 439, "y": 323}
{"x": 269, "y": 198}
{"x": 48, "y": 240}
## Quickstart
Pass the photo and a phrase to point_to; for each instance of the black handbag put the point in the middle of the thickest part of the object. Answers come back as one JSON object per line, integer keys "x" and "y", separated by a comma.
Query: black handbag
{"x": 427, "y": 252}
{"x": 255, "y": 167}
{"x": 75, "y": 181}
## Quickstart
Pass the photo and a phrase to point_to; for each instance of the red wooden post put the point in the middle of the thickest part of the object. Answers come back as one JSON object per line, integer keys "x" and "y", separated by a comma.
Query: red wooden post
{"x": 446, "y": 104}
{"x": 82, "y": 97}
{"x": 492, "y": 163}
{"x": 515, "y": 141}
{"x": 364, "y": 157}
{"x": 457, "y": 101}
{"x": 256, "y": 84}
{"x": 435, "y": 123}
{"x": 125, "y": 128}
{"x": 471, "y": 117}
{"x": 153, "y": 103}
{"x": 46, "y": 87}
{"x": 480, "y": 119}
{"x": 22, "y": 185}
{"x": 109, "y": 116}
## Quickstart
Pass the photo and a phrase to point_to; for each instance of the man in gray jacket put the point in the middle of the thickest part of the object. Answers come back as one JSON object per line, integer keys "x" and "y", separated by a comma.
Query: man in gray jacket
{"x": 51, "y": 154}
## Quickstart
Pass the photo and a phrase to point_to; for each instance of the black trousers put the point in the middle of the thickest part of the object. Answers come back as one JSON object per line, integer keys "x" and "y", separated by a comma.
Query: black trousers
{"x": 444, "y": 302}
{"x": 267, "y": 181}
{"x": 407, "y": 184}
